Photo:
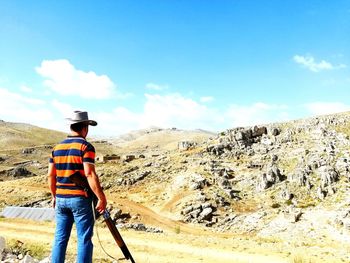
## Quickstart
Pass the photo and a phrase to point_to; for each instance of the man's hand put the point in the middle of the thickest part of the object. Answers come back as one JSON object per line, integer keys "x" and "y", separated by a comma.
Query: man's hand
{"x": 101, "y": 205}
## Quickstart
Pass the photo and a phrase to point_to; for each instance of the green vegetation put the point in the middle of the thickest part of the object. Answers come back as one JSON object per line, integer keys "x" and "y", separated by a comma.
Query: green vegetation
{"x": 275, "y": 205}
{"x": 17, "y": 135}
{"x": 177, "y": 229}
{"x": 289, "y": 165}
{"x": 343, "y": 129}
{"x": 35, "y": 250}
{"x": 288, "y": 202}
{"x": 300, "y": 259}
{"x": 307, "y": 203}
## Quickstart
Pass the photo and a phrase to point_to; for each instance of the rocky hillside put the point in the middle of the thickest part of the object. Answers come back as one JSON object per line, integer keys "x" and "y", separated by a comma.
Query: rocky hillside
{"x": 280, "y": 181}
{"x": 285, "y": 182}
{"x": 15, "y": 135}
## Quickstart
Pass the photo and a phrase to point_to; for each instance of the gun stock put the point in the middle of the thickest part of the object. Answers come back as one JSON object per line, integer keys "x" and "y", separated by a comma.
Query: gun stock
{"x": 82, "y": 182}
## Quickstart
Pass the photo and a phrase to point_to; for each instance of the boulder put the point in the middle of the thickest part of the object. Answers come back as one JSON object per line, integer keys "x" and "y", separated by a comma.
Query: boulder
{"x": 328, "y": 175}
{"x": 19, "y": 171}
{"x": 197, "y": 182}
{"x": 286, "y": 195}
{"x": 2, "y": 244}
{"x": 28, "y": 150}
{"x": 259, "y": 131}
{"x": 187, "y": 210}
{"x": 128, "y": 157}
{"x": 46, "y": 260}
{"x": 206, "y": 214}
{"x": 274, "y": 131}
{"x": 195, "y": 213}
{"x": 321, "y": 193}
{"x": 117, "y": 214}
{"x": 271, "y": 177}
{"x": 186, "y": 145}
{"x": 263, "y": 183}
{"x": 27, "y": 259}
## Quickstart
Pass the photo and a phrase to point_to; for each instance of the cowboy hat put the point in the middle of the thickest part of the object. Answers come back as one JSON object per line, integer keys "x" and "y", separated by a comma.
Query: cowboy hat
{"x": 81, "y": 116}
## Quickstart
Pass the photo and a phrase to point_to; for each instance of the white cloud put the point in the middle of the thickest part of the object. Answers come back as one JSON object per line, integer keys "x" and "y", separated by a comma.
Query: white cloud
{"x": 206, "y": 99}
{"x": 118, "y": 121}
{"x": 17, "y": 108}
{"x": 153, "y": 86}
{"x": 322, "y": 108}
{"x": 310, "y": 63}
{"x": 62, "y": 77}
{"x": 64, "y": 108}
{"x": 26, "y": 89}
{"x": 165, "y": 111}
{"x": 178, "y": 111}
{"x": 175, "y": 110}
{"x": 7, "y": 98}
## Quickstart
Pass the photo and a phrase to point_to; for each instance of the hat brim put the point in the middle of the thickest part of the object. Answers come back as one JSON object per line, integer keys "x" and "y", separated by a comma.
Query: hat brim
{"x": 89, "y": 122}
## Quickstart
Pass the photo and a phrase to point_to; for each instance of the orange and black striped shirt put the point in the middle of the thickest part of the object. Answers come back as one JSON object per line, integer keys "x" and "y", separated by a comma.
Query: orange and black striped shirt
{"x": 68, "y": 158}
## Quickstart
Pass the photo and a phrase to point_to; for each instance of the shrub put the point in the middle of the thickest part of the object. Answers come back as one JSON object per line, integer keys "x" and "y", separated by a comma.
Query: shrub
{"x": 177, "y": 229}
{"x": 18, "y": 247}
{"x": 275, "y": 205}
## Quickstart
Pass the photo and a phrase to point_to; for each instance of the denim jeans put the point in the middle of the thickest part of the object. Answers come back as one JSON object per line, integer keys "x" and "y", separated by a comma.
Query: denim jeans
{"x": 71, "y": 210}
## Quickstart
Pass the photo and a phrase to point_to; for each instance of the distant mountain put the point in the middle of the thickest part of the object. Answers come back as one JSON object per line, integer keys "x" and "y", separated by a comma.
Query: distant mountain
{"x": 155, "y": 137}
{"x": 16, "y": 135}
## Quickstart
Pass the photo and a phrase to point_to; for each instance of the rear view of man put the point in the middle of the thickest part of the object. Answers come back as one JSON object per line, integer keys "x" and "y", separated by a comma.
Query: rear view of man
{"x": 74, "y": 155}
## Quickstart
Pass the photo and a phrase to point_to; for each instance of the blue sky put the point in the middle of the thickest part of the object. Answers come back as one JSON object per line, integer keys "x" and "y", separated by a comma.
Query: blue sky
{"x": 188, "y": 64}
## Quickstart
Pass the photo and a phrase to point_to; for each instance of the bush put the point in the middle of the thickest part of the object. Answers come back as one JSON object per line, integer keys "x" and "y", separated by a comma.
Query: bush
{"x": 177, "y": 229}
{"x": 17, "y": 247}
{"x": 275, "y": 205}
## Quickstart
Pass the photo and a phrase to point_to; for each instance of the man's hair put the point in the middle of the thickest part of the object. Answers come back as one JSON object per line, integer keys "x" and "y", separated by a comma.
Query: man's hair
{"x": 78, "y": 127}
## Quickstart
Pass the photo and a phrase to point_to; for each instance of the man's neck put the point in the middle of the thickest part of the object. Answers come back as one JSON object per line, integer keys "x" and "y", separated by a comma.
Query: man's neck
{"x": 76, "y": 134}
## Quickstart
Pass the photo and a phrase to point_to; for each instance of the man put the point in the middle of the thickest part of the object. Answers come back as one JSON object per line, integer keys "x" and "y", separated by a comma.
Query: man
{"x": 74, "y": 155}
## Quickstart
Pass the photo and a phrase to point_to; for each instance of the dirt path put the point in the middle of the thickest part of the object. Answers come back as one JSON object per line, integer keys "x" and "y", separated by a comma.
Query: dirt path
{"x": 150, "y": 217}
{"x": 145, "y": 247}
{"x": 180, "y": 242}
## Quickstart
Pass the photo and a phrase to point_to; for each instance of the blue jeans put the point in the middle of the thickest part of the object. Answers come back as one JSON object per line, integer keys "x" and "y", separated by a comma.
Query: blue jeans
{"x": 68, "y": 211}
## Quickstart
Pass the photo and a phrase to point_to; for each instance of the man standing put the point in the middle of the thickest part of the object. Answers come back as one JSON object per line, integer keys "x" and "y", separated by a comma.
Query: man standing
{"x": 74, "y": 155}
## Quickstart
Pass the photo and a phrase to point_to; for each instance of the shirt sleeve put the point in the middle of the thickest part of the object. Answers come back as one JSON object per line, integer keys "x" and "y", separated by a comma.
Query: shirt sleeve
{"x": 51, "y": 158}
{"x": 89, "y": 154}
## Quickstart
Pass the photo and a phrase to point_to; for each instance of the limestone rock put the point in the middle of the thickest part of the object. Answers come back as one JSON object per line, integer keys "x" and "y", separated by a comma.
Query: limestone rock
{"x": 2, "y": 244}
{"x": 186, "y": 145}
{"x": 19, "y": 171}
{"x": 27, "y": 259}
{"x": 328, "y": 175}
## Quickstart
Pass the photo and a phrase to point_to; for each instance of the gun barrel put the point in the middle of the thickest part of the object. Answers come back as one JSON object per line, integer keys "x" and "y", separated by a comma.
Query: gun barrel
{"x": 117, "y": 237}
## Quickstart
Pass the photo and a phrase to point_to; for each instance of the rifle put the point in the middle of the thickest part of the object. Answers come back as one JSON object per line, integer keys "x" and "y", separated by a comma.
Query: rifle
{"x": 82, "y": 182}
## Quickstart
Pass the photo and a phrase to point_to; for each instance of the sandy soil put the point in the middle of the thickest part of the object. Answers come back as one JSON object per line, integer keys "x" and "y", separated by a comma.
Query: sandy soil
{"x": 180, "y": 242}
{"x": 145, "y": 247}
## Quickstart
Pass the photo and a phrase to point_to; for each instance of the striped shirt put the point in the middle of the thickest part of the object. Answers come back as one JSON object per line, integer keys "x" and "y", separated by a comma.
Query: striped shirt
{"x": 68, "y": 158}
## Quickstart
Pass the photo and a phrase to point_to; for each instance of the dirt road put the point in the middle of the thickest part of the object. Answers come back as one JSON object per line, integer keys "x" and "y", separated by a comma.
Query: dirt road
{"x": 145, "y": 247}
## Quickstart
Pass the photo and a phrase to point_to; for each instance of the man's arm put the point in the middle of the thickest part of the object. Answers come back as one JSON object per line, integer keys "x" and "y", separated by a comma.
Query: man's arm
{"x": 95, "y": 186}
{"x": 52, "y": 182}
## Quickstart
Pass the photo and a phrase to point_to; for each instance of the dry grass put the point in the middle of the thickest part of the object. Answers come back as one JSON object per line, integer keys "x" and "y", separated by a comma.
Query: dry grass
{"x": 16, "y": 136}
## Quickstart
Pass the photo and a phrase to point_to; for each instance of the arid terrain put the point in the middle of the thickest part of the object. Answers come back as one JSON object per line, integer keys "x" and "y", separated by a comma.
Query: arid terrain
{"x": 269, "y": 193}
